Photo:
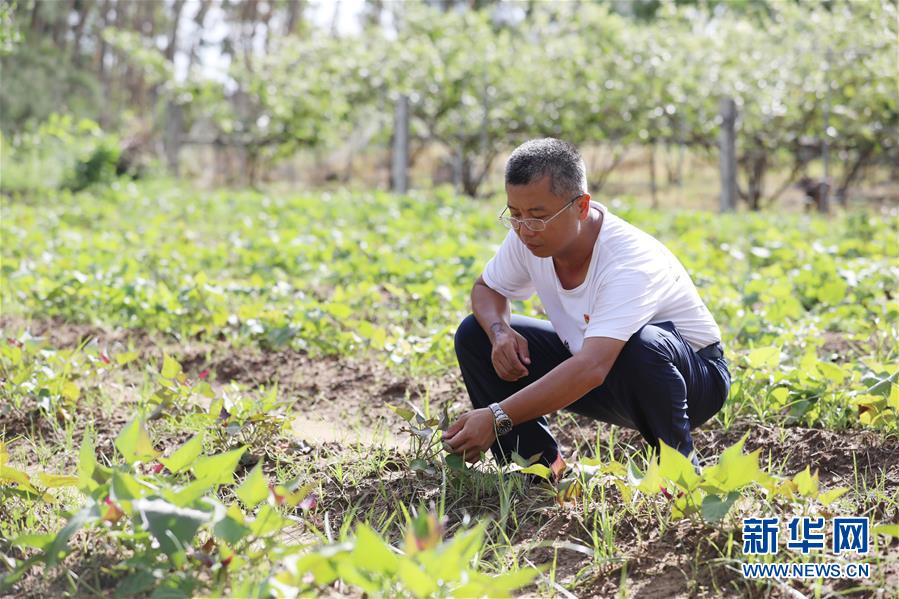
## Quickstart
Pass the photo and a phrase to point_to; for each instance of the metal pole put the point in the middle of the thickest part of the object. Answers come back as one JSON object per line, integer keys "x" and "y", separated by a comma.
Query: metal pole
{"x": 824, "y": 204}
{"x": 401, "y": 145}
{"x": 728, "y": 154}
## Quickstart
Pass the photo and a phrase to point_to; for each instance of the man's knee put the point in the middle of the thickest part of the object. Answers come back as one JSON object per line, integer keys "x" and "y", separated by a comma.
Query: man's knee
{"x": 646, "y": 345}
{"x": 468, "y": 334}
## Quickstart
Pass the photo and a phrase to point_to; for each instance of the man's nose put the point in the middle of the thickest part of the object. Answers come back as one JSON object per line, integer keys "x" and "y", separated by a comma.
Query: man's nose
{"x": 526, "y": 232}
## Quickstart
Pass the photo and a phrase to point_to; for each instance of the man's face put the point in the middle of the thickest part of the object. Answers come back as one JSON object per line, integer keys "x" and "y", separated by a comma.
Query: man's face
{"x": 535, "y": 200}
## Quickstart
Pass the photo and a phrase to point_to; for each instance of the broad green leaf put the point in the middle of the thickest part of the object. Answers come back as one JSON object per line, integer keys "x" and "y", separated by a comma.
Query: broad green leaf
{"x": 832, "y": 372}
{"x": 764, "y": 357}
{"x": 268, "y": 520}
{"x": 170, "y": 367}
{"x": 184, "y": 455}
{"x": 403, "y": 413}
{"x": 715, "y": 507}
{"x": 35, "y": 541}
{"x": 734, "y": 470}
{"x": 524, "y": 463}
{"x": 455, "y": 462}
{"x": 373, "y": 552}
{"x": 71, "y": 391}
{"x": 87, "y": 462}
{"x": 891, "y": 530}
{"x": 231, "y": 528}
{"x": 126, "y": 357}
{"x": 13, "y": 475}
{"x": 339, "y": 311}
{"x": 806, "y": 482}
{"x": 186, "y": 495}
{"x": 126, "y": 487}
{"x": 420, "y": 465}
{"x": 674, "y": 466}
{"x": 218, "y": 468}
{"x": 254, "y": 488}
{"x": 419, "y": 583}
{"x": 316, "y": 563}
{"x": 139, "y": 582}
{"x": 52, "y": 481}
{"x": 539, "y": 469}
{"x": 511, "y": 581}
{"x": 454, "y": 555}
{"x": 356, "y": 573}
{"x": 134, "y": 443}
{"x": 832, "y": 292}
{"x": 285, "y": 496}
{"x": 174, "y": 527}
{"x": 829, "y": 497}
{"x": 651, "y": 482}
{"x": 893, "y": 398}
{"x": 688, "y": 503}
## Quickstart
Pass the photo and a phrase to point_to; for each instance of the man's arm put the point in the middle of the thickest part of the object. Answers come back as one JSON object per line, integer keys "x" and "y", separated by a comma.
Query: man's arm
{"x": 491, "y": 309}
{"x": 566, "y": 383}
{"x": 509, "y": 349}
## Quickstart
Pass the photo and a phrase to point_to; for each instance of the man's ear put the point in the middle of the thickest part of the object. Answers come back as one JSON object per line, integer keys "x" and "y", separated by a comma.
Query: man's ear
{"x": 583, "y": 207}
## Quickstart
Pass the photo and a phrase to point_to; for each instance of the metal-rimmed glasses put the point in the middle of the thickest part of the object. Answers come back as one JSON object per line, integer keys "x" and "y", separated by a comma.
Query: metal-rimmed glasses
{"x": 533, "y": 224}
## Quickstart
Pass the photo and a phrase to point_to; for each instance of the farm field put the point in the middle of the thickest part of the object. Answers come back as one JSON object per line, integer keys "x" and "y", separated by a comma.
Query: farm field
{"x": 236, "y": 393}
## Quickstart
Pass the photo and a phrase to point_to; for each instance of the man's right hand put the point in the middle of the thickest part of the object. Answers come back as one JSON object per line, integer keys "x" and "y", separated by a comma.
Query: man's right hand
{"x": 510, "y": 354}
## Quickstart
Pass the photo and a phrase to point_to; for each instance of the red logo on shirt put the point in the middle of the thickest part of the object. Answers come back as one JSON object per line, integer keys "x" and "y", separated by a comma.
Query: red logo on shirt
{"x": 587, "y": 318}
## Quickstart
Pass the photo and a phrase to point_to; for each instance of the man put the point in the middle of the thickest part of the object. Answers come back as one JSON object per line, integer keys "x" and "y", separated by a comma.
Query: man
{"x": 629, "y": 341}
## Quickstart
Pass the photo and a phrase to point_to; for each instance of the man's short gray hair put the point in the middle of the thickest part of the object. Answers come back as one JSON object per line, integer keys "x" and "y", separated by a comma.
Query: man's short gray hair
{"x": 536, "y": 158}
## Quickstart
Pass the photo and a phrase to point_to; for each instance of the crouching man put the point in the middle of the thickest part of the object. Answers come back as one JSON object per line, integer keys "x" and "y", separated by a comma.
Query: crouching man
{"x": 628, "y": 341}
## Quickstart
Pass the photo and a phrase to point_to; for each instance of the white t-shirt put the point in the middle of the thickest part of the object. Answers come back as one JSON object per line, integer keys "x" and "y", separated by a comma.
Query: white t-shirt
{"x": 633, "y": 279}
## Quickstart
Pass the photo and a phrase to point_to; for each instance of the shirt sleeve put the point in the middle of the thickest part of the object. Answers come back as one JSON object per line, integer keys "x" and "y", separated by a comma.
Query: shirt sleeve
{"x": 622, "y": 305}
{"x": 507, "y": 272}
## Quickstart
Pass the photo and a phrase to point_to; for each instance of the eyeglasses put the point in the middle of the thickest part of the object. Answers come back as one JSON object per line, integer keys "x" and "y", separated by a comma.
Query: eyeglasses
{"x": 533, "y": 224}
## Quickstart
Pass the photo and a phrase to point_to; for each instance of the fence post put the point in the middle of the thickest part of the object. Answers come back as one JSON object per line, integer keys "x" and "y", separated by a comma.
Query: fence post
{"x": 728, "y": 154}
{"x": 824, "y": 203}
{"x": 171, "y": 140}
{"x": 401, "y": 145}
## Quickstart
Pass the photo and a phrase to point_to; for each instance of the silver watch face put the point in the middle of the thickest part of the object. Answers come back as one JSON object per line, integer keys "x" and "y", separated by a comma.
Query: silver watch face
{"x": 503, "y": 422}
{"x": 503, "y": 425}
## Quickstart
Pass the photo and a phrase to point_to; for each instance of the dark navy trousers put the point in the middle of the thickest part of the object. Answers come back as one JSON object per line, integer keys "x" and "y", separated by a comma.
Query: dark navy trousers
{"x": 658, "y": 385}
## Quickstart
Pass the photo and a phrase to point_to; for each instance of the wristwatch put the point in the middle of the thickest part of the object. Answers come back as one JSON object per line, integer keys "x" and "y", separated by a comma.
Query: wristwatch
{"x": 502, "y": 420}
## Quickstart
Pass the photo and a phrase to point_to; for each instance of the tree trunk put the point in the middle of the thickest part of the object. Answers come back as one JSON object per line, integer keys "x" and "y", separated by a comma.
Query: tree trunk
{"x": 83, "y": 14}
{"x": 100, "y": 61}
{"x": 604, "y": 170}
{"x": 472, "y": 176}
{"x": 756, "y": 164}
{"x": 172, "y": 46}
{"x": 335, "y": 18}
{"x": 294, "y": 16}
{"x": 174, "y": 126}
{"x": 798, "y": 165}
{"x": 199, "y": 21}
{"x": 61, "y": 23}
{"x": 373, "y": 12}
{"x": 652, "y": 175}
{"x": 864, "y": 155}
{"x": 37, "y": 22}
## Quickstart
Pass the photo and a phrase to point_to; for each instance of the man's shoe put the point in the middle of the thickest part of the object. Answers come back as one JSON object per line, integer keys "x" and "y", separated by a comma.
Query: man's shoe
{"x": 558, "y": 468}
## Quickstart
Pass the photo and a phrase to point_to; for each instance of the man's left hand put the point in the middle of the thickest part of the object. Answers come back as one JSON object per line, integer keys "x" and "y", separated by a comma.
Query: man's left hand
{"x": 471, "y": 434}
